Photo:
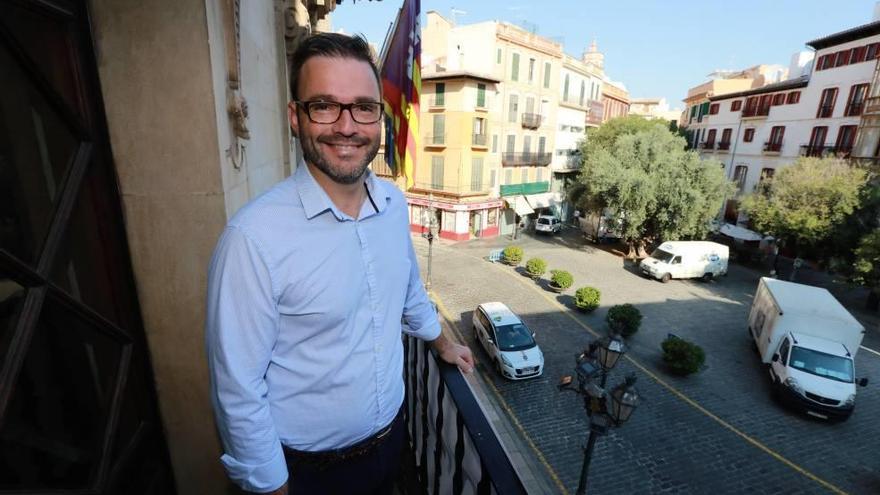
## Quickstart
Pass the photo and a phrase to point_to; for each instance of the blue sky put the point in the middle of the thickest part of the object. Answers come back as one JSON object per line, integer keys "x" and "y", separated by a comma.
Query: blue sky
{"x": 656, "y": 48}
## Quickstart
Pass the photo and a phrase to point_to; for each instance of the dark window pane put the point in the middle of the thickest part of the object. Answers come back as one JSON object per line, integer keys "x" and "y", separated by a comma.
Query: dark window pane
{"x": 36, "y": 149}
{"x": 89, "y": 265}
{"x": 11, "y": 300}
{"x": 56, "y": 418}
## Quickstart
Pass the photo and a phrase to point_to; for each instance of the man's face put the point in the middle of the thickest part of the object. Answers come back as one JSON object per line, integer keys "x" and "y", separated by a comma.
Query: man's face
{"x": 341, "y": 150}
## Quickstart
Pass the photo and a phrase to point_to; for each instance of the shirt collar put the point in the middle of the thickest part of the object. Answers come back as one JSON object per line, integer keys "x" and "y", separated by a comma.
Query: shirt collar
{"x": 316, "y": 201}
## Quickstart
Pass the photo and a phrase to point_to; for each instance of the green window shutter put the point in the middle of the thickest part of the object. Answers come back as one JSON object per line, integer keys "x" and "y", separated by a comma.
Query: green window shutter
{"x": 546, "y": 74}
{"x": 481, "y": 95}
{"x": 440, "y": 94}
{"x": 514, "y": 68}
{"x": 439, "y": 129}
{"x": 477, "y": 174}
{"x": 437, "y": 172}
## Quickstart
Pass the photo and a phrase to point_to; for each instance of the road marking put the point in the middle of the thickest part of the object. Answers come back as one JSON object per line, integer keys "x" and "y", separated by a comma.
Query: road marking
{"x": 870, "y": 350}
{"x": 460, "y": 334}
{"x": 666, "y": 385}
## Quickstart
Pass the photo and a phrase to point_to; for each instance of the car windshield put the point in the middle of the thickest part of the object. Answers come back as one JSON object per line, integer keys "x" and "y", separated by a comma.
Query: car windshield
{"x": 661, "y": 255}
{"x": 544, "y": 221}
{"x": 821, "y": 364}
{"x": 514, "y": 337}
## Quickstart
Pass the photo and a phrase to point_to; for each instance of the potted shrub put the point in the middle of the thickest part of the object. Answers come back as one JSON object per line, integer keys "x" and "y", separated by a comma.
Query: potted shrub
{"x": 682, "y": 357}
{"x": 536, "y": 267}
{"x": 624, "y": 319}
{"x": 587, "y": 298}
{"x": 512, "y": 255}
{"x": 560, "y": 280}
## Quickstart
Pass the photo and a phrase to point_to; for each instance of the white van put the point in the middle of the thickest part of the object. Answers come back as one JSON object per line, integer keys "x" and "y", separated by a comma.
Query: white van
{"x": 809, "y": 342}
{"x": 686, "y": 259}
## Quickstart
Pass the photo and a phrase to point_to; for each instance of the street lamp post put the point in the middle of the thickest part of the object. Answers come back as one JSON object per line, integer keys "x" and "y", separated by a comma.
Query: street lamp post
{"x": 431, "y": 221}
{"x": 604, "y": 409}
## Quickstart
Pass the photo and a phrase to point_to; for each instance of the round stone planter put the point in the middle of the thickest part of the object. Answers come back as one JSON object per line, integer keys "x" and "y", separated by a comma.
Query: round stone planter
{"x": 554, "y": 288}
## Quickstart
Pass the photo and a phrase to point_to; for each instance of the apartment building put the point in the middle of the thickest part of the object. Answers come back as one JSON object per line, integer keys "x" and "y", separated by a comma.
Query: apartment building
{"x": 580, "y": 93}
{"x": 615, "y": 100}
{"x": 654, "y": 109}
{"x": 756, "y": 132}
{"x": 520, "y": 71}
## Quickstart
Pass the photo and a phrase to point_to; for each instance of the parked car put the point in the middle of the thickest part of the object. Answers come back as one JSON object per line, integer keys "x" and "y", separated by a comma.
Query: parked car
{"x": 686, "y": 259}
{"x": 548, "y": 224}
{"x": 508, "y": 341}
{"x": 809, "y": 341}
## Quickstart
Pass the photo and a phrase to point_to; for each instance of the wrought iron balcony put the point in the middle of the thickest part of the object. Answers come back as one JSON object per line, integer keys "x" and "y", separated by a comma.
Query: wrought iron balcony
{"x": 437, "y": 101}
{"x": 723, "y": 146}
{"x": 525, "y": 159}
{"x": 448, "y": 431}
{"x": 773, "y": 146}
{"x": 818, "y": 151}
{"x": 825, "y": 111}
{"x": 707, "y": 145}
{"x": 480, "y": 140}
{"x": 531, "y": 120}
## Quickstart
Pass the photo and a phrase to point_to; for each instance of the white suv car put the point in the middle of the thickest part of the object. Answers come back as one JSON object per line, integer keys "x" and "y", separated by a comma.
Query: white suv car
{"x": 548, "y": 224}
{"x": 508, "y": 341}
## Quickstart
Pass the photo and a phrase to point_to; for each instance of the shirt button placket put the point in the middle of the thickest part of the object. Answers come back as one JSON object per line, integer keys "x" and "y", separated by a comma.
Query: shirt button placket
{"x": 376, "y": 319}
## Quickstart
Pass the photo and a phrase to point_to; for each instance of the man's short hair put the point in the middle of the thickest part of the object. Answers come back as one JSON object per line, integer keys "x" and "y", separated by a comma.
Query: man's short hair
{"x": 330, "y": 45}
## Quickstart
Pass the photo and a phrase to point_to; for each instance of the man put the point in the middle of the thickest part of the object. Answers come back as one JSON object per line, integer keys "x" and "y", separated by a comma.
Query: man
{"x": 306, "y": 291}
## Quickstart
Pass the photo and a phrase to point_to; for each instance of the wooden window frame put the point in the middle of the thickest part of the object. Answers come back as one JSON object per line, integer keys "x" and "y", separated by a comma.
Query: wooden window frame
{"x": 749, "y": 135}
{"x": 793, "y": 98}
{"x": 736, "y": 106}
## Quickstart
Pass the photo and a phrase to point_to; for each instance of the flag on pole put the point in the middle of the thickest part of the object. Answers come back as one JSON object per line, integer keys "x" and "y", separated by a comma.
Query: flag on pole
{"x": 401, "y": 86}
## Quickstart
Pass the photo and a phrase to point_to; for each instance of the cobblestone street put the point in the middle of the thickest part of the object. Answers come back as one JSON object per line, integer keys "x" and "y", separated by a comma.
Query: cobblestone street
{"x": 718, "y": 431}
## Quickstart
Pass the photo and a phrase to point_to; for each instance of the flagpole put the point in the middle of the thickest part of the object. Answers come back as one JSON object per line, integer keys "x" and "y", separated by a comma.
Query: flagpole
{"x": 392, "y": 26}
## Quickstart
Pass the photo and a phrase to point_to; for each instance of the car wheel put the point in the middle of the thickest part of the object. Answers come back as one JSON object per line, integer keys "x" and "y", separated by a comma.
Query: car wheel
{"x": 666, "y": 278}
{"x": 707, "y": 277}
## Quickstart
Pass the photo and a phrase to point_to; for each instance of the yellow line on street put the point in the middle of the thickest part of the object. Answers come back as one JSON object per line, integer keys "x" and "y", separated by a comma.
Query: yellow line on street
{"x": 516, "y": 423}
{"x": 684, "y": 397}
{"x": 662, "y": 383}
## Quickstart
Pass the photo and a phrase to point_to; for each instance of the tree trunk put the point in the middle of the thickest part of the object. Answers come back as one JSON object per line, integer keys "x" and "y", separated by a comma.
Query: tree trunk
{"x": 873, "y": 301}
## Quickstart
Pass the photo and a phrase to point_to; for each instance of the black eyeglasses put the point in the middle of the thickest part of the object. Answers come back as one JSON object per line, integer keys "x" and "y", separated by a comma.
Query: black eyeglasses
{"x": 328, "y": 112}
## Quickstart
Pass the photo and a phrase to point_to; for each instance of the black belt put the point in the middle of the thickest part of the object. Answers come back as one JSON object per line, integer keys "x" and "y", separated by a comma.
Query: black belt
{"x": 326, "y": 458}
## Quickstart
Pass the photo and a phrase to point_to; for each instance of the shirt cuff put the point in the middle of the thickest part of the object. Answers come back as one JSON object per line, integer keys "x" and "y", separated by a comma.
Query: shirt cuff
{"x": 428, "y": 332}
{"x": 259, "y": 478}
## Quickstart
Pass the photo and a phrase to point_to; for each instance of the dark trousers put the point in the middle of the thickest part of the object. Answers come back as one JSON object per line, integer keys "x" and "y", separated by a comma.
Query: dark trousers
{"x": 373, "y": 473}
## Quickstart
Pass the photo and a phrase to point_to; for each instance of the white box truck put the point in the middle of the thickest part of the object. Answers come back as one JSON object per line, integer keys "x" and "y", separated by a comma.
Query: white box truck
{"x": 809, "y": 342}
{"x": 686, "y": 259}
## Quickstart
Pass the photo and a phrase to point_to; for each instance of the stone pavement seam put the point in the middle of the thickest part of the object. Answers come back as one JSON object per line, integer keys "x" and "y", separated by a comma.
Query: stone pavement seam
{"x": 674, "y": 390}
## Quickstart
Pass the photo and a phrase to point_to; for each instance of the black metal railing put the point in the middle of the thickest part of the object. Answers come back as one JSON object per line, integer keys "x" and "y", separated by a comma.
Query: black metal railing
{"x": 816, "y": 150}
{"x": 531, "y": 120}
{"x": 453, "y": 447}
{"x": 437, "y": 101}
{"x": 707, "y": 145}
{"x": 773, "y": 146}
{"x": 480, "y": 139}
{"x": 525, "y": 159}
{"x": 724, "y": 145}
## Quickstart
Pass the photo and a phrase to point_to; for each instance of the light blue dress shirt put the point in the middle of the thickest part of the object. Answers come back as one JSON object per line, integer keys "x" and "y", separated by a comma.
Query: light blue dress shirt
{"x": 304, "y": 322}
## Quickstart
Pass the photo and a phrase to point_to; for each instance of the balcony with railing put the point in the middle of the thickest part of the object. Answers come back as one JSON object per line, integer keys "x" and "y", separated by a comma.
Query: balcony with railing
{"x": 480, "y": 140}
{"x": 531, "y": 120}
{"x": 525, "y": 159}
{"x": 435, "y": 140}
{"x": 452, "y": 188}
{"x": 756, "y": 111}
{"x": 773, "y": 147}
{"x": 825, "y": 111}
{"x": 437, "y": 101}
{"x": 452, "y": 446}
{"x": 707, "y": 146}
{"x": 569, "y": 163}
{"x": 723, "y": 146}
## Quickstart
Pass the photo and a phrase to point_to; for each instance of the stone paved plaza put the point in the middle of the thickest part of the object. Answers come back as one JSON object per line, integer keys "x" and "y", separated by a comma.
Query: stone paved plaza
{"x": 716, "y": 432}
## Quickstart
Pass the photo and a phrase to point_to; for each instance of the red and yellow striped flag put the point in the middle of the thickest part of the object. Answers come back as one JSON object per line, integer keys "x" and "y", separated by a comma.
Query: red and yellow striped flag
{"x": 401, "y": 86}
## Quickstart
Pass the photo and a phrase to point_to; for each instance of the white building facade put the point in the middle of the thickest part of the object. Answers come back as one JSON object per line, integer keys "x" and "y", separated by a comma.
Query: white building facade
{"x": 756, "y": 132}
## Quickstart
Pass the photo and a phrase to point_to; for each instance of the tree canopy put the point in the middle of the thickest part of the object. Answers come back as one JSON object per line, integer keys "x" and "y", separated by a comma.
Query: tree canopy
{"x": 807, "y": 200}
{"x": 866, "y": 269}
{"x": 641, "y": 171}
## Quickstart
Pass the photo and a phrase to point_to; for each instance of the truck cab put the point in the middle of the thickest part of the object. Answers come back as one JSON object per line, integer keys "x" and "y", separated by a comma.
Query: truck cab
{"x": 815, "y": 374}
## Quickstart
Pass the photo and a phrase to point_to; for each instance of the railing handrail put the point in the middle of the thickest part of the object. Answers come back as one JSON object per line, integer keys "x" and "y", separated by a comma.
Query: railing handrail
{"x": 495, "y": 466}
{"x": 525, "y": 158}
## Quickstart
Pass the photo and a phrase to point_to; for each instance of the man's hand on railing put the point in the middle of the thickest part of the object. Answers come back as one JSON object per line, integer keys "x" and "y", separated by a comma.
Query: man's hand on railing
{"x": 452, "y": 353}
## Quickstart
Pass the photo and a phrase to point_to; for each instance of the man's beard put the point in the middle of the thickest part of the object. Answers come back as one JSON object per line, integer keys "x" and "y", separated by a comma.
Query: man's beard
{"x": 312, "y": 155}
